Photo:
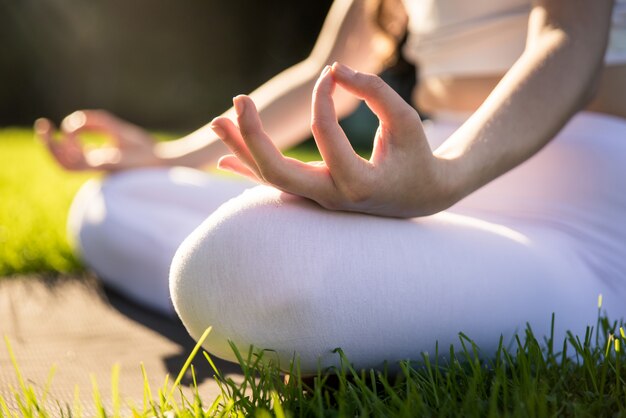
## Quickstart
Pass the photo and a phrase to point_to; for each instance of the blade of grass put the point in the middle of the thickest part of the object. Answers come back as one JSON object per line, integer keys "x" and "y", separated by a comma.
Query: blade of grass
{"x": 203, "y": 337}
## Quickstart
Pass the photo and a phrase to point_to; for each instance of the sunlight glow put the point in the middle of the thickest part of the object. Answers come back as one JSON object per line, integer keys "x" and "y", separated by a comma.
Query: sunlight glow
{"x": 492, "y": 227}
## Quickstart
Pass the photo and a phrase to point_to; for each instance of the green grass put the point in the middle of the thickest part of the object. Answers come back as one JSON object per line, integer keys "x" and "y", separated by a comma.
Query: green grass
{"x": 581, "y": 376}
{"x": 35, "y": 196}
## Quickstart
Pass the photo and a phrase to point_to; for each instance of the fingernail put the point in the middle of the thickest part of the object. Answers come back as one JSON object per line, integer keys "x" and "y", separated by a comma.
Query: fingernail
{"x": 74, "y": 121}
{"x": 222, "y": 165}
{"x": 239, "y": 105}
{"x": 41, "y": 125}
{"x": 218, "y": 130}
{"x": 343, "y": 69}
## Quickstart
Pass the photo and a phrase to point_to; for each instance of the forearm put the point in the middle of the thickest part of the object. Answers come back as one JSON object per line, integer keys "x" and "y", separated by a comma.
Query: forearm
{"x": 549, "y": 82}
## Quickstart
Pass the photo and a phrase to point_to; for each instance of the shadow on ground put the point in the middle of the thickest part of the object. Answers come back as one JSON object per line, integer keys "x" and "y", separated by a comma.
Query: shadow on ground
{"x": 172, "y": 329}
{"x": 83, "y": 331}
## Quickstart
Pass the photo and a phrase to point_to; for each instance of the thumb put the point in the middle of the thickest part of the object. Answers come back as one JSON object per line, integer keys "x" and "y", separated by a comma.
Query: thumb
{"x": 390, "y": 108}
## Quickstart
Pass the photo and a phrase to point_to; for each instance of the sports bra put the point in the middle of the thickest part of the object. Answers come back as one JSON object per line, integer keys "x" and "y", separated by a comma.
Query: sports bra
{"x": 481, "y": 37}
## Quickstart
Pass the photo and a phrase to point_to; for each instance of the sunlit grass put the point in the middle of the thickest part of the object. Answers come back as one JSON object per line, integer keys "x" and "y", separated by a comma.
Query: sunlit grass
{"x": 35, "y": 196}
{"x": 535, "y": 378}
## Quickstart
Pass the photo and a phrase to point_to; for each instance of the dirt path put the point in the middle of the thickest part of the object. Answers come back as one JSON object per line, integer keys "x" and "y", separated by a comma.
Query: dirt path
{"x": 85, "y": 331}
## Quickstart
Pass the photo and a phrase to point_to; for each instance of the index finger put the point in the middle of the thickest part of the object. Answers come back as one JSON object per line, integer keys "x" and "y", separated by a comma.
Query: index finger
{"x": 384, "y": 101}
{"x": 93, "y": 120}
{"x": 67, "y": 152}
{"x": 334, "y": 146}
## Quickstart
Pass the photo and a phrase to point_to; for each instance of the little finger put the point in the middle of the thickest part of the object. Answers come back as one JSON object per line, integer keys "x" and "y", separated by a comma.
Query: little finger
{"x": 233, "y": 164}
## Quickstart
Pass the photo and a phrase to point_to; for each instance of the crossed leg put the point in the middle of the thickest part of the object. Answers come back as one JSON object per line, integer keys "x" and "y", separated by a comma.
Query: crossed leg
{"x": 278, "y": 272}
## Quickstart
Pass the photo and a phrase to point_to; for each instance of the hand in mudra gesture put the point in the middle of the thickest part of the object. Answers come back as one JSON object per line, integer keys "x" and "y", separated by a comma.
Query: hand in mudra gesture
{"x": 130, "y": 147}
{"x": 401, "y": 179}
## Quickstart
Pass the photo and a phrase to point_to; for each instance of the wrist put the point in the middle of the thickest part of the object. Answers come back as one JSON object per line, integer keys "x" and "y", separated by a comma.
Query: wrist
{"x": 451, "y": 182}
{"x": 167, "y": 153}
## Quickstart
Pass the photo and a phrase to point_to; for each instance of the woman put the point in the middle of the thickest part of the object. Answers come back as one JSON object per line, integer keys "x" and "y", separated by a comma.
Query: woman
{"x": 505, "y": 209}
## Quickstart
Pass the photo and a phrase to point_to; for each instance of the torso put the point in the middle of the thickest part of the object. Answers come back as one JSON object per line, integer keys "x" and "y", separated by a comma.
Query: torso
{"x": 465, "y": 94}
{"x": 463, "y": 48}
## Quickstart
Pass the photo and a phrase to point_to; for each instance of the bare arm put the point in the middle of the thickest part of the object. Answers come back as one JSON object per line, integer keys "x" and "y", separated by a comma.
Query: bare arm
{"x": 551, "y": 80}
{"x": 348, "y": 35}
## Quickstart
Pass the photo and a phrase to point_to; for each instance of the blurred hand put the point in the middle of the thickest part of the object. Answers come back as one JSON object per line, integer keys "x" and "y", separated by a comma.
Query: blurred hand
{"x": 131, "y": 146}
{"x": 402, "y": 179}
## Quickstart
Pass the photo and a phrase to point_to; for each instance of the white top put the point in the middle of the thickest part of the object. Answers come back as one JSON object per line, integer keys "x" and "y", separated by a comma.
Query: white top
{"x": 481, "y": 37}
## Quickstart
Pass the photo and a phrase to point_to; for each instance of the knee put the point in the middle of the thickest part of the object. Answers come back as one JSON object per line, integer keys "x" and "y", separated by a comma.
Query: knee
{"x": 87, "y": 211}
{"x": 113, "y": 232}
{"x": 103, "y": 206}
{"x": 243, "y": 272}
{"x": 91, "y": 205}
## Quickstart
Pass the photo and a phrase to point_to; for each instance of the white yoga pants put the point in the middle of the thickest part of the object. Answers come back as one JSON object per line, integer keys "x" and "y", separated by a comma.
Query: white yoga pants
{"x": 278, "y": 272}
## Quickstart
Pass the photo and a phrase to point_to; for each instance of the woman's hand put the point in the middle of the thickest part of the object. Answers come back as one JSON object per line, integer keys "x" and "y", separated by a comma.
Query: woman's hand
{"x": 402, "y": 178}
{"x": 131, "y": 146}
